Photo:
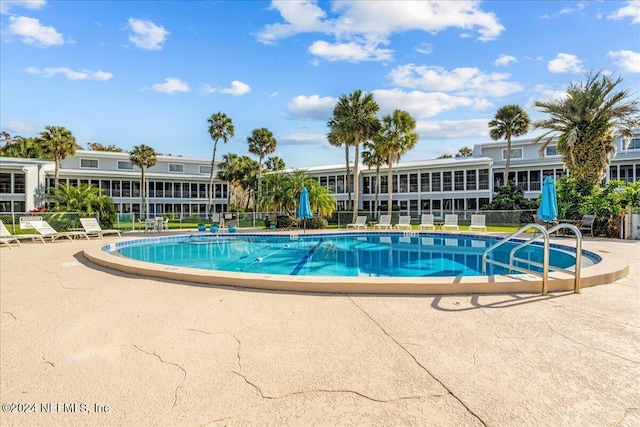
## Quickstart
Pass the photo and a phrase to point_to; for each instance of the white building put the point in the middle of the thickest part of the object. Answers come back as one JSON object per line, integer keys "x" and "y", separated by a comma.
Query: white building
{"x": 180, "y": 185}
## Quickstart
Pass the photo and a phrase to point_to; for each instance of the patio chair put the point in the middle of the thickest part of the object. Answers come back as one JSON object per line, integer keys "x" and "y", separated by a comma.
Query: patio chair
{"x": 6, "y": 237}
{"x": 586, "y": 224}
{"x": 426, "y": 222}
{"x": 46, "y": 230}
{"x": 478, "y": 223}
{"x": 361, "y": 222}
{"x": 404, "y": 223}
{"x": 451, "y": 222}
{"x": 384, "y": 222}
{"x": 149, "y": 225}
{"x": 92, "y": 227}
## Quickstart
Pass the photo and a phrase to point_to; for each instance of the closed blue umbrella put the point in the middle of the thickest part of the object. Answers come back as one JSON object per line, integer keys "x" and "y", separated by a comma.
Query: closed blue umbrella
{"x": 304, "y": 208}
{"x": 548, "y": 210}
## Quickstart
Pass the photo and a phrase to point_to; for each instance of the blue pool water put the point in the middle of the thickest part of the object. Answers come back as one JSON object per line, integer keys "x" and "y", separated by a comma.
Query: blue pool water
{"x": 340, "y": 254}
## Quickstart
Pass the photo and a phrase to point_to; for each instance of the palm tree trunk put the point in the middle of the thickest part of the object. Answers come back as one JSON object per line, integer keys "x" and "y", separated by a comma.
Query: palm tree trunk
{"x": 348, "y": 187}
{"x": 213, "y": 159}
{"x": 375, "y": 208}
{"x": 505, "y": 176}
{"x": 56, "y": 176}
{"x": 356, "y": 180}
{"x": 144, "y": 195}
{"x": 389, "y": 185}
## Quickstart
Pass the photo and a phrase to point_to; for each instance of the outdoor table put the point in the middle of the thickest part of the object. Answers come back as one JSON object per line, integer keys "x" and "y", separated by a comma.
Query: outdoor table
{"x": 438, "y": 224}
{"x": 372, "y": 224}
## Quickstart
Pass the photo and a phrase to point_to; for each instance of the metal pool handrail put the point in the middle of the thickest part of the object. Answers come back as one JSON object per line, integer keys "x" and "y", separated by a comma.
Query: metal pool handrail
{"x": 578, "y": 234}
{"x": 511, "y": 266}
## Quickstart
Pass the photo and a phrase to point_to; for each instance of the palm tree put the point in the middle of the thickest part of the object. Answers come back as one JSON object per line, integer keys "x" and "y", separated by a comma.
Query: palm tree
{"x": 220, "y": 127}
{"x": 509, "y": 121}
{"x": 373, "y": 156}
{"x": 85, "y": 199}
{"x": 261, "y": 143}
{"x": 584, "y": 123}
{"x": 58, "y": 143}
{"x": 19, "y": 146}
{"x": 339, "y": 139}
{"x": 355, "y": 117}
{"x": 465, "y": 152}
{"x": 274, "y": 163}
{"x": 397, "y": 137}
{"x": 144, "y": 157}
{"x": 230, "y": 170}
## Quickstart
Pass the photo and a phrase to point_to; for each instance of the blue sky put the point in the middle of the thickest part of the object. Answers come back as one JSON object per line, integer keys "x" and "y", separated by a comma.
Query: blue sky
{"x": 146, "y": 72}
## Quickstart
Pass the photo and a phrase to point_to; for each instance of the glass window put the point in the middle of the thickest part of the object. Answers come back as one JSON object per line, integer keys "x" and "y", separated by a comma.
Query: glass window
{"x": 394, "y": 183}
{"x": 366, "y": 185}
{"x": 551, "y": 150}
{"x": 123, "y": 164}
{"x": 446, "y": 181}
{"x": 340, "y": 185}
{"x": 516, "y": 153}
{"x": 89, "y": 163}
{"x": 424, "y": 182}
{"x": 483, "y": 179}
{"x": 126, "y": 188}
{"x": 634, "y": 144}
{"x": 471, "y": 180}
{"x": 458, "y": 180}
{"x": 105, "y": 184}
{"x": 205, "y": 169}
{"x": 413, "y": 184}
{"x": 384, "y": 188}
{"x": 176, "y": 168}
{"x": 115, "y": 188}
{"x": 323, "y": 181}
{"x": 404, "y": 184}
{"x": 435, "y": 181}
{"x": 5, "y": 183}
{"x": 332, "y": 183}
{"x": 135, "y": 189}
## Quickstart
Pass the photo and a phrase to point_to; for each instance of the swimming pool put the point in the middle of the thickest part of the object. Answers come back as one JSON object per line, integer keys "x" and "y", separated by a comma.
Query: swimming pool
{"x": 345, "y": 255}
{"x": 313, "y": 254}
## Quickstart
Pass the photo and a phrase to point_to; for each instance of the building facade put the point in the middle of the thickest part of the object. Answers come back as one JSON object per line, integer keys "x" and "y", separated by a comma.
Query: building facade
{"x": 180, "y": 185}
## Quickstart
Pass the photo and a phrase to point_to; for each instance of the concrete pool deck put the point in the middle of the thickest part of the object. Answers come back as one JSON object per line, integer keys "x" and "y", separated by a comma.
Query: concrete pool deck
{"x": 162, "y": 352}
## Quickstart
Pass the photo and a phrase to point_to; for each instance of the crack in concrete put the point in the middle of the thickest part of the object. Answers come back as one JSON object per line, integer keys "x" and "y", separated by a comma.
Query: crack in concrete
{"x": 499, "y": 336}
{"x": 12, "y": 316}
{"x": 624, "y": 415}
{"x": 46, "y": 362}
{"x": 175, "y": 390}
{"x": 424, "y": 368}
{"x": 77, "y": 289}
{"x": 585, "y": 345}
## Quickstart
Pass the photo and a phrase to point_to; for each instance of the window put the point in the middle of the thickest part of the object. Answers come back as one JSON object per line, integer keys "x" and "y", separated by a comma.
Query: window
{"x": 471, "y": 180}
{"x": 125, "y": 165}
{"x": 458, "y": 177}
{"x": 89, "y": 163}
{"x": 404, "y": 184}
{"x": 205, "y": 169}
{"x": 634, "y": 144}
{"x": 176, "y": 168}
{"x": 516, "y": 153}
{"x": 550, "y": 151}
{"x": 446, "y": 181}
{"x": 424, "y": 182}
{"x": 435, "y": 181}
{"x": 413, "y": 184}
{"x": 483, "y": 179}
{"x": 5, "y": 183}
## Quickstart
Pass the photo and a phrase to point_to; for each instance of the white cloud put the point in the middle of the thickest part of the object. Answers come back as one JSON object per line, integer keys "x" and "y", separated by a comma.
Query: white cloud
{"x": 18, "y": 127}
{"x": 420, "y": 104}
{"x": 49, "y": 72}
{"x": 33, "y": 32}
{"x": 631, "y": 10}
{"x": 237, "y": 88}
{"x": 171, "y": 85}
{"x": 464, "y": 81}
{"x": 6, "y": 5}
{"x": 311, "y": 107}
{"x": 303, "y": 139}
{"x": 352, "y": 51}
{"x": 627, "y": 59}
{"x": 546, "y": 93}
{"x": 146, "y": 34}
{"x": 361, "y": 27}
{"x": 565, "y": 63}
{"x": 424, "y": 48}
{"x": 504, "y": 60}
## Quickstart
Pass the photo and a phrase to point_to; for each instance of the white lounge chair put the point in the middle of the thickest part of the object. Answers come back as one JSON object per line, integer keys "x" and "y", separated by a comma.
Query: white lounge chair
{"x": 361, "y": 222}
{"x": 92, "y": 227}
{"x": 6, "y": 237}
{"x": 451, "y": 222}
{"x": 46, "y": 230}
{"x": 384, "y": 222}
{"x": 478, "y": 223}
{"x": 426, "y": 222}
{"x": 404, "y": 223}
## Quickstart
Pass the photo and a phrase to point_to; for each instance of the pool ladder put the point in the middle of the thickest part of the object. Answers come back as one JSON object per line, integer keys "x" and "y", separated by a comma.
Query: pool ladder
{"x": 544, "y": 233}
